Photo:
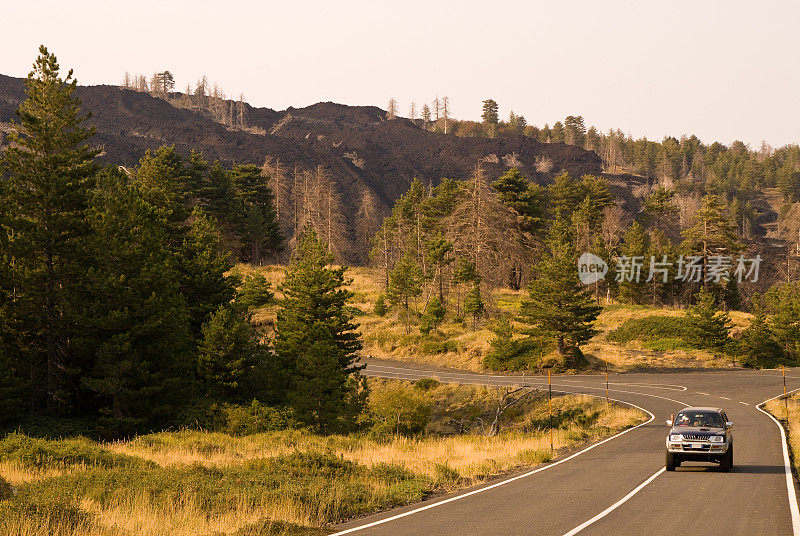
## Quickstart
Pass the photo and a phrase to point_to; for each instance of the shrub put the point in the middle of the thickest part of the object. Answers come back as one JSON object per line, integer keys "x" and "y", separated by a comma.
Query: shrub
{"x": 649, "y": 328}
{"x": 254, "y": 293}
{"x": 380, "y": 306}
{"x": 255, "y": 419}
{"x": 6, "y": 491}
{"x": 426, "y": 384}
{"x": 433, "y": 316}
{"x": 395, "y": 409}
{"x": 508, "y": 353}
{"x": 40, "y": 453}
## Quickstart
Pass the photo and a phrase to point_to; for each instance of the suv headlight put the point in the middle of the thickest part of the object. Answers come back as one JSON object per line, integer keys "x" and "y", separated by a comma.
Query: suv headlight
{"x": 676, "y": 437}
{"x": 716, "y": 439}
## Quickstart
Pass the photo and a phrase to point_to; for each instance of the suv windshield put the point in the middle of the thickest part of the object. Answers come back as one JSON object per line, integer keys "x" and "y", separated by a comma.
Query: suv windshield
{"x": 705, "y": 419}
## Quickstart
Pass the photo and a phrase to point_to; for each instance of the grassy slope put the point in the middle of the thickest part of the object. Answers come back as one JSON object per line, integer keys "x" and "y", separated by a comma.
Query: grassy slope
{"x": 288, "y": 482}
{"x": 458, "y": 346}
{"x": 792, "y": 425}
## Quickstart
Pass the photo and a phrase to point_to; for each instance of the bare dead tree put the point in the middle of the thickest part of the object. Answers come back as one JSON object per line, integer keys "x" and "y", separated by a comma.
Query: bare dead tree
{"x": 445, "y": 112}
{"x": 241, "y": 112}
{"x": 485, "y": 230}
{"x": 412, "y": 113}
{"x": 391, "y": 109}
{"x": 281, "y": 189}
{"x": 367, "y": 220}
{"x": 505, "y": 399}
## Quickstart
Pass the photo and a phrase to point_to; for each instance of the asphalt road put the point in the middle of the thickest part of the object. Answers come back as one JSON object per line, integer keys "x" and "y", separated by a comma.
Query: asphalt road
{"x": 619, "y": 486}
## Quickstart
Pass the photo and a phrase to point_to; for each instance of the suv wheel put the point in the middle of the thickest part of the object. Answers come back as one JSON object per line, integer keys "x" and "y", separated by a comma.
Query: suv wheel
{"x": 726, "y": 463}
{"x": 671, "y": 463}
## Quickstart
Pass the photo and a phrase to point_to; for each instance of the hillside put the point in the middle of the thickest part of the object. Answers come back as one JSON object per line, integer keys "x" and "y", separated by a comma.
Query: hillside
{"x": 362, "y": 152}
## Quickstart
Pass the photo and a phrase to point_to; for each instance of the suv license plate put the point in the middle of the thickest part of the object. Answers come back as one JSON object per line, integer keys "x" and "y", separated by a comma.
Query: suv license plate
{"x": 696, "y": 445}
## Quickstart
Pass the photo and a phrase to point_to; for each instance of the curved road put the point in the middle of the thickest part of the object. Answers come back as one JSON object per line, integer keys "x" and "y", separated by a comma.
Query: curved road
{"x": 619, "y": 486}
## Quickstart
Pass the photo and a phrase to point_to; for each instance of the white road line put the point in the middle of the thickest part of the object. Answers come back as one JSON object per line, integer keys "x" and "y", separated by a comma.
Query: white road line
{"x": 502, "y": 482}
{"x": 616, "y": 505}
{"x": 702, "y": 393}
{"x": 745, "y": 403}
{"x": 725, "y": 397}
{"x": 511, "y": 378}
{"x": 414, "y": 374}
{"x": 787, "y": 468}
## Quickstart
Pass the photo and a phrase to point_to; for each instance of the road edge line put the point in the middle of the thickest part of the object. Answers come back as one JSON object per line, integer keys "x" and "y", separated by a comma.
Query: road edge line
{"x": 790, "y": 489}
{"x": 616, "y": 505}
{"x": 508, "y": 480}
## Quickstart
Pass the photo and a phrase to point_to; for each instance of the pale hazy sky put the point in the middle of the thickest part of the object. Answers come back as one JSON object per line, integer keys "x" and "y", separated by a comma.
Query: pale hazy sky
{"x": 722, "y": 70}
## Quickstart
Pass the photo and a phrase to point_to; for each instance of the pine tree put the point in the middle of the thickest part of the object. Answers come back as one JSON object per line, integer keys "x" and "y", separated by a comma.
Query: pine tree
{"x": 490, "y": 117}
{"x": 783, "y": 305}
{"x": 758, "y": 346}
{"x": 204, "y": 266}
{"x": 254, "y": 293}
{"x": 228, "y": 353}
{"x": 465, "y": 273}
{"x": 632, "y": 282}
{"x": 50, "y": 168}
{"x": 164, "y": 183}
{"x": 473, "y": 305}
{"x": 405, "y": 281}
{"x": 438, "y": 252}
{"x": 706, "y": 325}
{"x": 316, "y": 340}
{"x": 712, "y": 233}
{"x": 527, "y": 199}
{"x": 137, "y": 330}
{"x": 433, "y": 316}
{"x": 261, "y": 230}
{"x": 558, "y": 304}
{"x": 380, "y": 306}
{"x": 564, "y": 195}
{"x": 426, "y": 115}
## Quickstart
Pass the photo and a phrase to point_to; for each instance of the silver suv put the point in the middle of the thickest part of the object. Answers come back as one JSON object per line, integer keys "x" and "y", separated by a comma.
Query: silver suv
{"x": 700, "y": 435}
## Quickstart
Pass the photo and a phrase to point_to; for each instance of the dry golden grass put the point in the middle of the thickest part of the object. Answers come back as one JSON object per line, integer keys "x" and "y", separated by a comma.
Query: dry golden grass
{"x": 443, "y": 462}
{"x": 789, "y": 414}
{"x": 23, "y": 525}
{"x": 387, "y": 338}
{"x": 635, "y": 355}
{"x": 136, "y": 514}
{"x": 16, "y": 475}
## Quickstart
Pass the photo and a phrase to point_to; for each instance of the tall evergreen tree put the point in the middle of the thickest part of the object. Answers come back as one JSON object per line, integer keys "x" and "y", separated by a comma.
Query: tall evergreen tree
{"x": 438, "y": 252}
{"x": 473, "y": 305}
{"x": 712, "y": 233}
{"x": 261, "y": 230}
{"x": 137, "y": 334}
{"x": 558, "y": 303}
{"x": 758, "y": 346}
{"x": 706, "y": 325}
{"x": 528, "y": 200}
{"x": 490, "y": 117}
{"x": 50, "y": 166}
{"x": 228, "y": 354}
{"x": 316, "y": 340}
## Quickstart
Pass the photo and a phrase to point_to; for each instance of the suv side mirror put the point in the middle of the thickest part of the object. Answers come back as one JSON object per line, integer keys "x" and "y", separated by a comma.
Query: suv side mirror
{"x": 729, "y": 424}
{"x": 669, "y": 422}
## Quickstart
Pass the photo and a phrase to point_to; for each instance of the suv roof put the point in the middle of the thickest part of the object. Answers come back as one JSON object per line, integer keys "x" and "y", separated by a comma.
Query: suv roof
{"x": 700, "y": 408}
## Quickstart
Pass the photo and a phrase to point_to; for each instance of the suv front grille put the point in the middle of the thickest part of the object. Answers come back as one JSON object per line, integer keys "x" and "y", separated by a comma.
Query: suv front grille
{"x": 695, "y": 437}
